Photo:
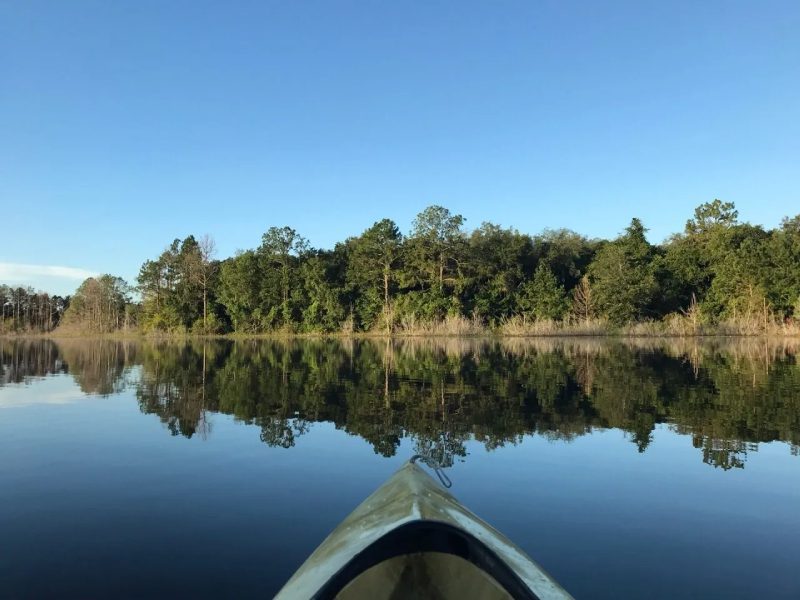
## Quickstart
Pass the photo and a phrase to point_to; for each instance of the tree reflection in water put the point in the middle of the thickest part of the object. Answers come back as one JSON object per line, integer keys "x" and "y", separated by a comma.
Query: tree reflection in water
{"x": 727, "y": 395}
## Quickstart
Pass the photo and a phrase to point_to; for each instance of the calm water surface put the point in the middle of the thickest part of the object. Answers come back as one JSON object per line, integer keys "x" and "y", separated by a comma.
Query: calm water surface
{"x": 655, "y": 469}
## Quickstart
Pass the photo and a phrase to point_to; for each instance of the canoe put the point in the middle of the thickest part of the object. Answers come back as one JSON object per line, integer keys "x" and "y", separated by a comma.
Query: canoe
{"x": 412, "y": 539}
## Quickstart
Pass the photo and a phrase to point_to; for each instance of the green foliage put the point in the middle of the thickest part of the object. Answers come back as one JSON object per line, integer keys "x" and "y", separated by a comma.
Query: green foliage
{"x": 712, "y": 216}
{"x": 425, "y": 305}
{"x": 26, "y": 310}
{"x": 282, "y": 249}
{"x": 212, "y": 325}
{"x": 240, "y": 281}
{"x": 784, "y": 273}
{"x": 566, "y": 253}
{"x": 740, "y": 284}
{"x": 100, "y": 305}
{"x": 322, "y": 308}
{"x": 374, "y": 260}
{"x": 435, "y": 249}
{"x": 543, "y": 297}
{"x": 499, "y": 261}
{"x": 175, "y": 287}
{"x": 719, "y": 271}
{"x": 623, "y": 276}
{"x": 683, "y": 270}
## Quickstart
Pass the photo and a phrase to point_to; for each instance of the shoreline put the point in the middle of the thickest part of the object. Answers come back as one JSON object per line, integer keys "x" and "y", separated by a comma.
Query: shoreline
{"x": 489, "y": 335}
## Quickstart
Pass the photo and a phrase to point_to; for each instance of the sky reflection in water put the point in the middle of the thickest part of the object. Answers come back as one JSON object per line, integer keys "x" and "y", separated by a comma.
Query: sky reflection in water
{"x": 637, "y": 469}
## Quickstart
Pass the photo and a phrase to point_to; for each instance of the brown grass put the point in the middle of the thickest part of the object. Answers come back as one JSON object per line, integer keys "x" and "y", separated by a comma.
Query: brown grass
{"x": 451, "y": 325}
{"x": 518, "y": 326}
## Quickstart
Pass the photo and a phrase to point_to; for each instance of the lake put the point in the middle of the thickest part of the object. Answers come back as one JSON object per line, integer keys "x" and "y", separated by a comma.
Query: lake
{"x": 650, "y": 468}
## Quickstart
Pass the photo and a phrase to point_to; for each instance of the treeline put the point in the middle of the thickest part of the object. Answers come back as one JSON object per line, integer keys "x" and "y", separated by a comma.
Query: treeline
{"x": 101, "y": 305}
{"x": 23, "y": 309}
{"x": 718, "y": 275}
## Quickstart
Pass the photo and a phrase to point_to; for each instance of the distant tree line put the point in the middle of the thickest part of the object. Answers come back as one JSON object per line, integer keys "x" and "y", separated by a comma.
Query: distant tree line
{"x": 101, "y": 305}
{"x": 718, "y": 273}
{"x": 24, "y": 309}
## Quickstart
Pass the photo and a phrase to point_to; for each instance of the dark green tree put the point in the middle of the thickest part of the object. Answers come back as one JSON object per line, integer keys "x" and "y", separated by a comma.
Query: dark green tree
{"x": 784, "y": 250}
{"x": 239, "y": 292}
{"x": 711, "y": 216}
{"x": 623, "y": 278}
{"x": 543, "y": 297}
{"x": 321, "y": 302}
{"x": 374, "y": 260}
{"x": 282, "y": 248}
{"x": 499, "y": 260}
{"x": 435, "y": 246}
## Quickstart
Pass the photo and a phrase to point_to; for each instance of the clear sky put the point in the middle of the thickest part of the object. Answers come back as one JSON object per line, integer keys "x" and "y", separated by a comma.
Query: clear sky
{"x": 126, "y": 124}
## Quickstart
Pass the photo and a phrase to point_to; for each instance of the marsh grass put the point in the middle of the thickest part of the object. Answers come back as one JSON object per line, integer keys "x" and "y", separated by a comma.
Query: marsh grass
{"x": 451, "y": 325}
{"x": 520, "y": 326}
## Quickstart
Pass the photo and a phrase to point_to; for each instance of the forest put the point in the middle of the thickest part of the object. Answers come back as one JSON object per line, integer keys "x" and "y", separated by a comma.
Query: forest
{"x": 719, "y": 275}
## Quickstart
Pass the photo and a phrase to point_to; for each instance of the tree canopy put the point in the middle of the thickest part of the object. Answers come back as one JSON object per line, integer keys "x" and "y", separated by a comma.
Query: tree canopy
{"x": 723, "y": 271}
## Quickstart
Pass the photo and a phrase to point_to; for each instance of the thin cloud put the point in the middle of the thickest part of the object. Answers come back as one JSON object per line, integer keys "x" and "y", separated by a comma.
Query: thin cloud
{"x": 20, "y": 272}
{"x": 19, "y": 398}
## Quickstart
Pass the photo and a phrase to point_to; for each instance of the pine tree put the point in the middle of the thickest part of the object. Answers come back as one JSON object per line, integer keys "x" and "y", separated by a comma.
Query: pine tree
{"x": 543, "y": 297}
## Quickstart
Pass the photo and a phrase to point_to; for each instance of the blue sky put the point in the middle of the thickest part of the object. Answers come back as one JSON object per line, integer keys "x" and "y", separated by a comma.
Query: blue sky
{"x": 127, "y": 124}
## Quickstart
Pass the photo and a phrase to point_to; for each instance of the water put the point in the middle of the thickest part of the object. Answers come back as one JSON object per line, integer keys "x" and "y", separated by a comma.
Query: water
{"x": 648, "y": 469}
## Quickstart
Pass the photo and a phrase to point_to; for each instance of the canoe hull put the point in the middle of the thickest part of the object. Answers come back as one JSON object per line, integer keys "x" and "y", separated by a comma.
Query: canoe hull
{"x": 408, "y": 514}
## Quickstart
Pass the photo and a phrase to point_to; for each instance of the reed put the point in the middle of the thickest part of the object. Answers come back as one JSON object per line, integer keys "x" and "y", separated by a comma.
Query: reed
{"x": 451, "y": 325}
{"x": 518, "y": 326}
